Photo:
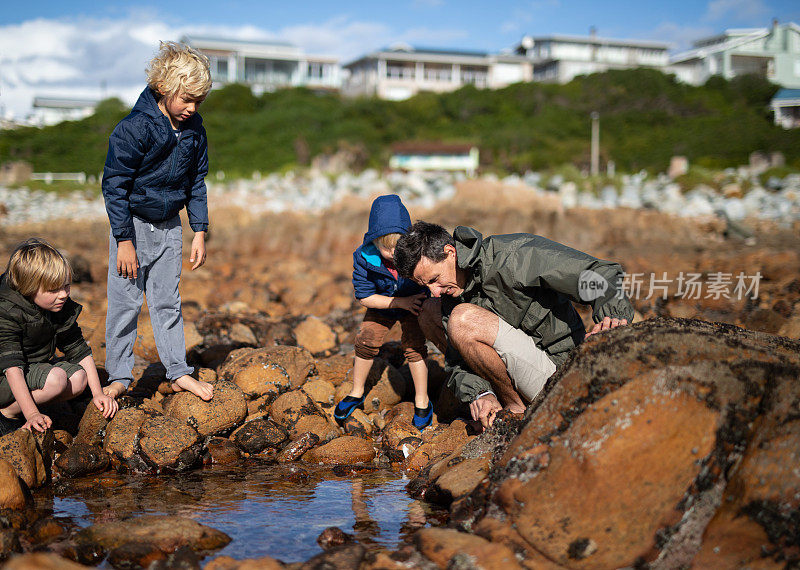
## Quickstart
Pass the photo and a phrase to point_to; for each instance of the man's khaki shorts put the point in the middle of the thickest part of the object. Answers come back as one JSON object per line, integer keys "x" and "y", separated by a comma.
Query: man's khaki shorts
{"x": 528, "y": 365}
{"x": 35, "y": 377}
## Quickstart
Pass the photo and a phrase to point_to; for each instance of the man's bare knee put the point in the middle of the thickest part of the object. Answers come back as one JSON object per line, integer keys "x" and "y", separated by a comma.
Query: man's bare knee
{"x": 467, "y": 323}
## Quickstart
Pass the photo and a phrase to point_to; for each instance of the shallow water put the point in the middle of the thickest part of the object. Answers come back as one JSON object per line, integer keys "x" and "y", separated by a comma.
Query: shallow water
{"x": 267, "y": 510}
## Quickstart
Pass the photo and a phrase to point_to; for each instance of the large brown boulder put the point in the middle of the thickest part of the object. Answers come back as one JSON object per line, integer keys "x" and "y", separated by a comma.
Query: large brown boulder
{"x": 290, "y": 362}
{"x": 298, "y": 413}
{"x": 669, "y": 442}
{"x": 448, "y": 548}
{"x": 42, "y": 561}
{"x": 31, "y": 454}
{"x": 344, "y": 450}
{"x": 260, "y": 434}
{"x": 122, "y": 433}
{"x": 82, "y": 459}
{"x": 90, "y": 429}
{"x": 169, "y": 442}
{"x": 335, "y": 369}
{"x": 442, "y": 442}
{"x": 227, "y": 409}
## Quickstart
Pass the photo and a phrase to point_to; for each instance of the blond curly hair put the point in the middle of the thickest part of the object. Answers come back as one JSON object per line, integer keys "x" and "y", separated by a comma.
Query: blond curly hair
{"x": 178, "y": 68}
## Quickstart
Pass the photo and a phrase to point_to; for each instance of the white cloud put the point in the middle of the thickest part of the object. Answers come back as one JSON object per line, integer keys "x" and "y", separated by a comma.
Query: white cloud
{"x": 678, "y": 36}
{"x": 747, "y": 11}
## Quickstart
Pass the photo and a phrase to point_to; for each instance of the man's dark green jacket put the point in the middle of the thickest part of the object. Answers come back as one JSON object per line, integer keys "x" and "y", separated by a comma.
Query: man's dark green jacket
{"x": 530, "y": 282}
{"x": 29, "y": 334}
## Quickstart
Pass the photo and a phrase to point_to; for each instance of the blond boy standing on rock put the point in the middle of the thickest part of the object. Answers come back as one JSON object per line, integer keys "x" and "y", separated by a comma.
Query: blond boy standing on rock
{"x": 156, "y": 164}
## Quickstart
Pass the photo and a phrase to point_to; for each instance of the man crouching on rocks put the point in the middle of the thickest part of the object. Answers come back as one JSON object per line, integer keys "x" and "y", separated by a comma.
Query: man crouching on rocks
{"x": 501, "y": 310}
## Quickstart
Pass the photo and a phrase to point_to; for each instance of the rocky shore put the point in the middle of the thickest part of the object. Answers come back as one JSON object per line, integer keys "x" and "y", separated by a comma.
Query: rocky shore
{"x": 669, "y": 443}
{"x": 742, "y": 197}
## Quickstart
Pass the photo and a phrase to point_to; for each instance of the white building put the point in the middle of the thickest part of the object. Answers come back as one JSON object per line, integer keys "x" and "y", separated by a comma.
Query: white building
{"x": 266, "y": 66}
{"x": 558, "y": 59}
{"x": 773, "y": 53}
{"x": 53, "y": 110}
{"x": 402, "y": 71}
{"x": 786, "y": 106}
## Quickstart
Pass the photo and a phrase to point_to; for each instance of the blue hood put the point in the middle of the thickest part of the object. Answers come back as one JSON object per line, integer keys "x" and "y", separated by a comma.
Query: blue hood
{"x": 388, "y": 215}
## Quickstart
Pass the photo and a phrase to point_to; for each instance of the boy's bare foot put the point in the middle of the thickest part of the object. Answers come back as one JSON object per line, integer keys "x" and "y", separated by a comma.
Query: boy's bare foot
{"x": 114, "y": 389}
{"x": 202, "y": 390}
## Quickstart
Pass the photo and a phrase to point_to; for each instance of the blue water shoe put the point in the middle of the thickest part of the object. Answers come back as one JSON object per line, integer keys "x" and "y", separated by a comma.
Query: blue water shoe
{"x": 346, "y": 407}
{"x": 423, "y": 416}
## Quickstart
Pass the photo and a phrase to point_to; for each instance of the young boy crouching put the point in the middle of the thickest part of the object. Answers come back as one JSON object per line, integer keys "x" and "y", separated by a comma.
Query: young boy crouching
{"x": 36, "y": 317}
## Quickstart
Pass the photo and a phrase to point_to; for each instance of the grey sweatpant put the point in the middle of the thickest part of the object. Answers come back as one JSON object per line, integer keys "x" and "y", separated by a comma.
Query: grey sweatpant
{"x": 158, "y": 251}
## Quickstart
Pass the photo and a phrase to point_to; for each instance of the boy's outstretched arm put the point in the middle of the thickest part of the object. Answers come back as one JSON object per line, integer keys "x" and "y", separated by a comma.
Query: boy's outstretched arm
{"x": 107, "y": 405}
{"x": 412, "y": 303}
{"x": 22, "y": 395}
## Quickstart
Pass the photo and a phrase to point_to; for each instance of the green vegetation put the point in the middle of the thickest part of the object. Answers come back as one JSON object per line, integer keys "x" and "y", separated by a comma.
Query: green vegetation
{"x": 646, "y": 117}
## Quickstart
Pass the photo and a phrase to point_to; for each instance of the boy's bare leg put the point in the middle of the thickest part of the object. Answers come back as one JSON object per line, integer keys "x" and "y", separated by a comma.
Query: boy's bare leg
{"x": 202, "y": 390}
{"x": 473, "y": 330}
{"x": 419, "y": 374}
{"x": 54, "y": 387}
{"x": 361, "y": 368}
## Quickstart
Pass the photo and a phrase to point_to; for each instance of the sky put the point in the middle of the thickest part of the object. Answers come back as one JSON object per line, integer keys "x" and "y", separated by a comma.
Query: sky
{"x": 90, "y": 49}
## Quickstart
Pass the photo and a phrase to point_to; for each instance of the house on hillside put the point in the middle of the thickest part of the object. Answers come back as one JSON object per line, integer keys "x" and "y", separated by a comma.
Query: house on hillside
{"x": 786, "y": 106}
{"x": 53, "y": 110}
{"x": 266, "y": 66}
{"x": 402, "y": 71}
{"x": 558, "y": 59}
{"x": 434, "y": 156}
{"x": 772, "y": 52}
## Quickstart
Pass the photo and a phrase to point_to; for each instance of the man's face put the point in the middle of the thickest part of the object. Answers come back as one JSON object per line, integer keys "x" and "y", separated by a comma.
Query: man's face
{"x": 443, "y": 277}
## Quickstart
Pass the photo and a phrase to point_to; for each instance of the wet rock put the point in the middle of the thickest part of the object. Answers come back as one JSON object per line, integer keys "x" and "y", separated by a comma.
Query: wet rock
{"x": 228, "y": 563}
{"x": 442, "y": 442}
{"x": 167, "y": 533}
{"x": 297, "y": 475}
{"x": 335, "y": 369}
{"x": 260, "y": 406}
{"x": 223, "y": 451}
{"x": 297, "y": 447}
{"x": 9, "y": 543}
{"x": 136, "y": 555}
{"x": 169, "y": 442}
{"x": 459, "y": 480}
{"x": 333, "y": 536}
{"x": 45, "y": 530}
{"x": 697, "y": 411}
{"x": 355, "y": 428}
{"x": 260, "y": 379}
{"x": 41, "y": 561}
{"x": 31, "y": 455}
{"x": 298, "y": 413}
{"x": 122, "y": 433}
{"x": 315, "y": 336}
{"x": 12, "y": 493}
{"x": 82, "y": 459}
{"x": 342, "y": 450}
{"x": 61, "y": 440}
{"x": 347, "y": 557}
{"x": 260, "y": 434}
{"x": 321, "y": 391}
{"x": 90, "y": 430}
{"x": 296, "y": 362}
{"x": 224, "y": 411}
{"x": 449, "y": 548}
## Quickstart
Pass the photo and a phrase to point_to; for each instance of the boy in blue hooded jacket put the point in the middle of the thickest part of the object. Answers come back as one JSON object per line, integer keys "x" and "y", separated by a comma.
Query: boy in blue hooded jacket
{"x": 156, "y": 164}
{"x": 388, "y": 298}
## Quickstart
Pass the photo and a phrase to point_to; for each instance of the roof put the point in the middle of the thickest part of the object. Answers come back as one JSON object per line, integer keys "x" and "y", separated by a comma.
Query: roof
{"x": 604, "y": 41}
{"x": 431, "y": 147}
{"x": 411, "y": 53}
{"x": 786, "y": 94}
{"x": 735, "y": 38}
{"x": 192, "y": 40}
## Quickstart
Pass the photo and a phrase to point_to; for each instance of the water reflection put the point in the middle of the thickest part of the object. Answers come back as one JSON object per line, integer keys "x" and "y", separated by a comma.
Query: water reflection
{"x": 266, "y": 510}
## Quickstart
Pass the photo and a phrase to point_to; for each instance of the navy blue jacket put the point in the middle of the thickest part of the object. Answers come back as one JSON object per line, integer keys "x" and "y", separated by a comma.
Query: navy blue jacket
{"x": 152, "y": 174}
{"x": 388, "y": 215}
